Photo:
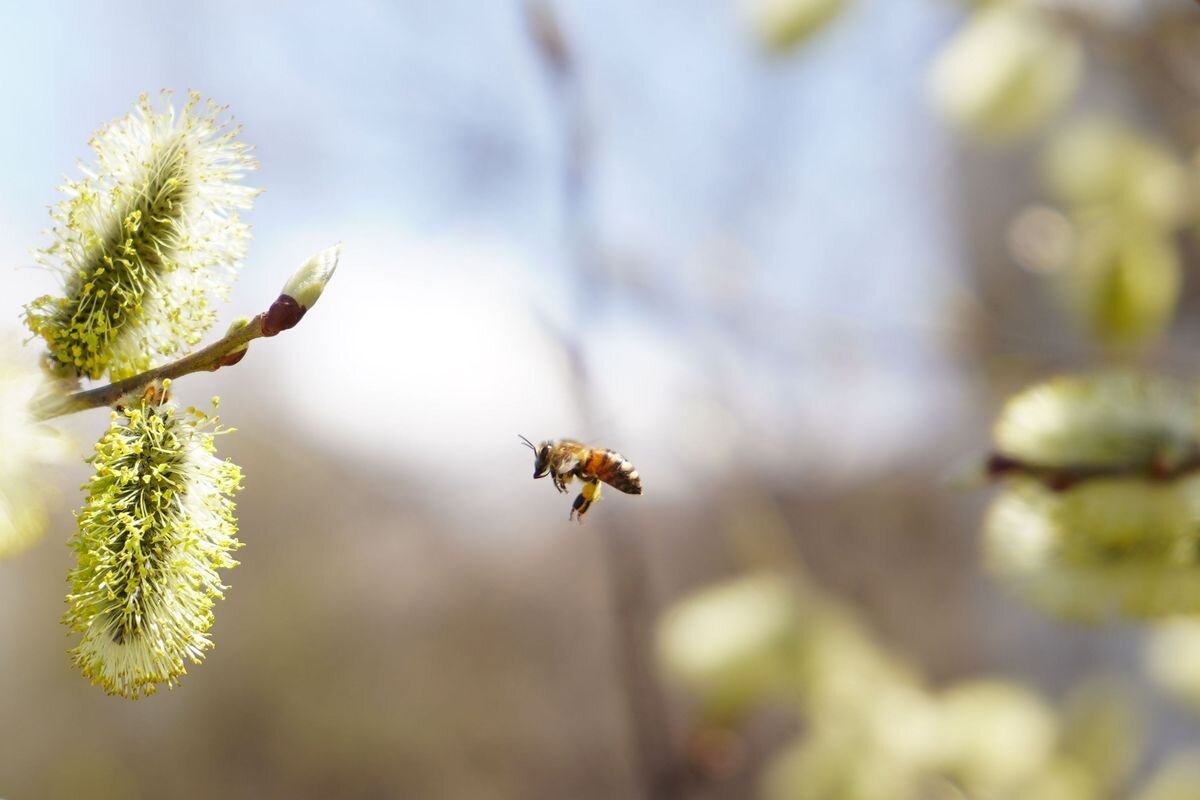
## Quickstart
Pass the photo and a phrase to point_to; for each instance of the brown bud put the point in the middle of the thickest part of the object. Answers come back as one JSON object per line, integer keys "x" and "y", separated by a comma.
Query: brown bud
{"x": 999, "y": 464}
{"x": 230, "y": 359}
{"x": 283, "y": 314}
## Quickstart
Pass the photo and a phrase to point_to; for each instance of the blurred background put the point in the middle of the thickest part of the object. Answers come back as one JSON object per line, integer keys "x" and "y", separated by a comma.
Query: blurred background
{"x": 735, "y": 242}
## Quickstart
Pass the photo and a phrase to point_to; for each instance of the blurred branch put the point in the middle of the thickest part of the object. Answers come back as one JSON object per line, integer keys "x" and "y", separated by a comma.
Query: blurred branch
{"x": 1144, "y": 52}
{"x": 660, "y": 773}
{"x": 1061, "y": 477}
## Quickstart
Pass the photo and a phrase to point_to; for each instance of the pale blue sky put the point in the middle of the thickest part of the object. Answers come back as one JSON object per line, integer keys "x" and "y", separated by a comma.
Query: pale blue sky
{"x": 815, "y": 184}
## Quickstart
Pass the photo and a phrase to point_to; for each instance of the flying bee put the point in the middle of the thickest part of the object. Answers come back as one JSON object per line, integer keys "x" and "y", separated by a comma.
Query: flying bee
{"x": 564, "y": 460}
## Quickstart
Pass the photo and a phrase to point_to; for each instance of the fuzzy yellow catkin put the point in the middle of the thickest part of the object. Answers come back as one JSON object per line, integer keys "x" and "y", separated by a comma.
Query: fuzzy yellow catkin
{"x": 145, "y": 241}
{"x": 157, "y": 525}
{"x": 732, "y": 643}
{"x": 1099, "y": 419}
{"x": 1121, "y": 543}
{"x": 1005, "y": 72}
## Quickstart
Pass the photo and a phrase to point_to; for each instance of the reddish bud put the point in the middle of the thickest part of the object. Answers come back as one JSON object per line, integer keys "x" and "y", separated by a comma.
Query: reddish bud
{"x": 283, "y": 315}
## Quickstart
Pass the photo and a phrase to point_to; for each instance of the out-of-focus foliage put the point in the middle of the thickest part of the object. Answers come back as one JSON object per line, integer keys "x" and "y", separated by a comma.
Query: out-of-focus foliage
{"x": 23, "y": 445}
{"x": 871, "y": 729}
{"x": 1099, "y": 551}
{"x": 1173, "y": 659}
{"x": 1005, "y": 72}
{"x": 995, "y": 734}
{"x": 1106, "y": 419}
{"x": 1093, "y": 521}
{"x": 734, "y": 642}
{"x": 1099, "y": 163}
{"x": 1178, "y": 779}
{"x": 783, "y": 24}
{"x": 1110, "y": 254}
{"x": 1127, "y": 195}
{"x": 1099, "y": 512}
{"x": 1101, "y": 727}
{"x": 1124, "y": 283}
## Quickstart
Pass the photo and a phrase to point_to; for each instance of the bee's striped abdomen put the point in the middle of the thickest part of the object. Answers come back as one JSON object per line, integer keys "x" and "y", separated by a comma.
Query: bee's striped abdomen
{"x": 615, "y": 470}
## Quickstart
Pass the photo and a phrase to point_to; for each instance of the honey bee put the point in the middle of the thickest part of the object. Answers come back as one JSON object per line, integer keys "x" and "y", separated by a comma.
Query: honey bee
{"x": 564, "y": 460}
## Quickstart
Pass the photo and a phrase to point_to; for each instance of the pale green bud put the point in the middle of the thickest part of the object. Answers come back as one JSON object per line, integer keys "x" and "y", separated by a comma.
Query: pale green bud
{"x": 237, "y": 325}
{"x": 301, "y": 292}
{"x": 1008, "y": 70}
{"x": 307, "y": 283}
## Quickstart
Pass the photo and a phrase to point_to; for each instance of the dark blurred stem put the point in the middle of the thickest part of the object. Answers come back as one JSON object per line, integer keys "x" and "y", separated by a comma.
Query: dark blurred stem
{"x": 659, "y": 772}
{"x": 1061, "y": 477}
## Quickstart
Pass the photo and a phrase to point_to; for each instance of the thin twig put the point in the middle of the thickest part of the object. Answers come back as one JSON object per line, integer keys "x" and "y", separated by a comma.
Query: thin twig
{"x": 283, "y": 314}
{"x": 658, "y": 771}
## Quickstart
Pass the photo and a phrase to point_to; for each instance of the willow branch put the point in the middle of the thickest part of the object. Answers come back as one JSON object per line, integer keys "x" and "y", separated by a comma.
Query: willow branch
{"x": 1061, "y": 477}
{"x": 284, "y": 313}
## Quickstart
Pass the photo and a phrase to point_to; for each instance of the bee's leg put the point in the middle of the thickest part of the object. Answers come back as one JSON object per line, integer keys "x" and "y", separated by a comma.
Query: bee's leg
{"x": 589, "y": 495}
{"x": 578, "y": 509}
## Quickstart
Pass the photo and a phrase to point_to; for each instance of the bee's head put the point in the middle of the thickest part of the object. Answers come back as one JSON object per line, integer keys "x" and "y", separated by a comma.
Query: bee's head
{"x": 541, "y": 457}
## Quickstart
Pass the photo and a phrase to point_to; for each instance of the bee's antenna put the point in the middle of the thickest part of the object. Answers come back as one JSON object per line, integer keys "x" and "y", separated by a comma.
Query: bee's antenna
{"x": 528, "y": 443}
